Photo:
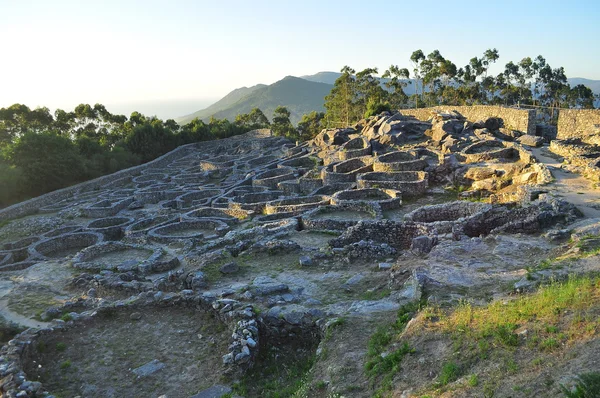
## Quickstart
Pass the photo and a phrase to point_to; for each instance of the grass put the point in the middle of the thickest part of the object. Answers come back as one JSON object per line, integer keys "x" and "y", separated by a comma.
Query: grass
{"x": 382, "y": 365}
{"x": 548, "y": 307}
{"x": 450, "y": 372}
{"x": 65, "y": 364}
{"x": 587, "y": 385}
{"x": 277, "y": 375}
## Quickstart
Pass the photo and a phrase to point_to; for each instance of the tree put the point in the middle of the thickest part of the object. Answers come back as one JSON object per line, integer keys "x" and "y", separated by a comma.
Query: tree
{"x": 48, "y": 161}
{"x": 398, "y": 80}
{"x": 281, "y": 125}
{"x": 581, "y": 96}
{"x": 254, "y": 120}
{"x": 417, "y": 59}
{"x": 310, "y": 125}
{"x": 339, "y": 103}
{"x": 150, "y": 140}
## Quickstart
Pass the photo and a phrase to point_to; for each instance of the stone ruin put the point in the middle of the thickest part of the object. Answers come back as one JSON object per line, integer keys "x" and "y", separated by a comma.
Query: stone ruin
{"x": 206, "y": 227}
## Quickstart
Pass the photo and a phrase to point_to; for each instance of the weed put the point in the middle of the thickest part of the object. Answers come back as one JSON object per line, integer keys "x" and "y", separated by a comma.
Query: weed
{"x": 473, "y": 380}
{"x": 500, "y": 319}
{"x": 65, "y": 364}
{"x": 41, "y": 347}
{"x": 60, "y": 347}
{"x": 450, "y": 372}
{"x": 321, "y": 385}
{"x": 549, "y": 343}
{"x": 67, "y": 317}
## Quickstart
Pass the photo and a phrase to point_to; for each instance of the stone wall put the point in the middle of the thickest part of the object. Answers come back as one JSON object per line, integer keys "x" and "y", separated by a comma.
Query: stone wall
{"x": 31, "y": 206}
{"x": 516, "y": 119}
{"x": 578, "y": 123}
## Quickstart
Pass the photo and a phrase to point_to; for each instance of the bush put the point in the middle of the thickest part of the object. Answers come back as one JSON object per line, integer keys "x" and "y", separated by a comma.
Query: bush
{"x": 375, "y": 108}
{"x": 587, "y": 386}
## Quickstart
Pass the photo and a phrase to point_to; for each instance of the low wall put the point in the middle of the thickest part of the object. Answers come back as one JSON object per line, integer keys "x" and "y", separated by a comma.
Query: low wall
{"x": 578, "y": 123}
{"x": 517, "y": 119}
{"x": 31, "y": 206}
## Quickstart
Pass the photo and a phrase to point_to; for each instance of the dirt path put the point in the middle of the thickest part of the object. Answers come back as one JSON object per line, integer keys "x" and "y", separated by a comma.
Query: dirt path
{"x": 571, "y": 187}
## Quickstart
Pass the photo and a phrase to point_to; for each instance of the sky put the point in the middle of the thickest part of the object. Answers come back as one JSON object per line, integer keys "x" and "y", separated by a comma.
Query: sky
{"x": 59, "y": 53}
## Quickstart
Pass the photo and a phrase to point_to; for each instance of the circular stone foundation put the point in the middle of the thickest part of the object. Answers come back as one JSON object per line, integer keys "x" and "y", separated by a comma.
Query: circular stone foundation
{"x": 193, "y": 230}
{"x": 410, "y": 183}
{"x": 387, "y": 199}
{"x": 64, "y": 245}
{"x": 112, "y": 228}
{"x": 444, "y": 216}
{"x": 297, "y": 205}
{"x": 120, "y": 257}
{"x": 271, "y": 178}
{"x": 399, "y": 161}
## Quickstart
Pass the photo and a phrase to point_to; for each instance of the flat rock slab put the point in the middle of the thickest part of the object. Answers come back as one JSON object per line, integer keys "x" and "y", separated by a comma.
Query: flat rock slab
{"x": 149, "y": 368}
{"x": 213, "y": 392}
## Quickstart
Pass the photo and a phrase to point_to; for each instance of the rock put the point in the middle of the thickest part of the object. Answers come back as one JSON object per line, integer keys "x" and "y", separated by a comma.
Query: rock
{"x": 135, "y": 316}
{"x": 306, "y": 261}
{"x": 228, "y": 359}
{"x": 216, "y": 391}
{"x": 525, "y": 178}
{"x": 493, "y": 123}
{"x": 480, "y": 173}
{"x": 197, "y": 280}
{"x": 149, "y": 368}
{"x": 531, "y": 140}
{"x": 353, "y": 281}
{"x": 422, "y": 244}
{"x": 478, "y": 124}
{"x": 229, "y": 268}
{"x": 135, "y": 205}
{"x": 524, "y": 285}
{"x": 264, "y": 286}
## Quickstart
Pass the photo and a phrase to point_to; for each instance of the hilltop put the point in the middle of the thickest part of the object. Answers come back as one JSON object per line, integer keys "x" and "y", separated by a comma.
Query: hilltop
{"x": 298, "y": 95}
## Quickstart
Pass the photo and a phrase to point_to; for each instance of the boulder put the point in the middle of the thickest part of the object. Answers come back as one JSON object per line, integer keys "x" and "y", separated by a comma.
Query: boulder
{"x": 531, "y": 140}
{"x": 229, "y": 268}
{"x": 480, "y": 124}
{"x": 525, "y": 178}
{"x": 480, "y": 173}
{"x": 494, "y": 123}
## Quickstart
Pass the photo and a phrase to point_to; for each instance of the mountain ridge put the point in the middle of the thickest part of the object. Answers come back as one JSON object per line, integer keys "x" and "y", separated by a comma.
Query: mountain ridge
{"x": 299, "y": 95}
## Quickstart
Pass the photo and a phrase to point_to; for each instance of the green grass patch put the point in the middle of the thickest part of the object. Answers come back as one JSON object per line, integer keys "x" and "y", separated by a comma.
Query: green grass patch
{"x": 587, "y": 386}
{"x": 278, "y": 373}
{"x": 560, "y": 309}
{"x": 383, "y": 364}
{"x": 449, "y": 373}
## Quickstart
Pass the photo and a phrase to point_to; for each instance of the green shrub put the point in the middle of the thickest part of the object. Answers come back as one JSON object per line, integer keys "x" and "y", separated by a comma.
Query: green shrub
{"x": 587, "y": 386}
{"x": 450, "y": 372}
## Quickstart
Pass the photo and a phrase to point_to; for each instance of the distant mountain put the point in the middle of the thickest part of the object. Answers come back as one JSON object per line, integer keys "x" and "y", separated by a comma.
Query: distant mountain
{"x": 331, "y": 77}
{"x": 594, "y": 85}
{"x": 224, "y": 103}
{"x": 323, "y": 77}
{"x": 298, "y": 95}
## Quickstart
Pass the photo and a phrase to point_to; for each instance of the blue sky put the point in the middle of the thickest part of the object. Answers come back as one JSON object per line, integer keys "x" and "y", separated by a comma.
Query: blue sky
{"x": 61, "y": 53}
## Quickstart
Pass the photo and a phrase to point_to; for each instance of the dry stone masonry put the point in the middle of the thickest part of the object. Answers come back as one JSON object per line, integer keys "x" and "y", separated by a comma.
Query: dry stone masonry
{"x": 270, "y": 240}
